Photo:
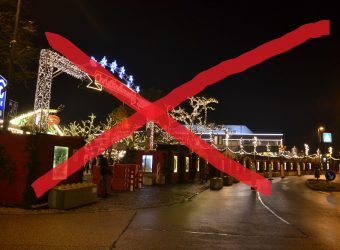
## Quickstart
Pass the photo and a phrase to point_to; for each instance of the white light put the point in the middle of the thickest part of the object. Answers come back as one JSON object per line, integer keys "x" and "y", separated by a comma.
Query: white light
{"x": 103, "y": 62}
{"x": 16, "y": 120}
{"x": 113, "y": 66}
{"x": 56, "y": 127}
{"x": 93, "y": 58}
{"x": 16, "y": 131}
{"x": 130, "y": 80}
{"x": 121, "y": 72}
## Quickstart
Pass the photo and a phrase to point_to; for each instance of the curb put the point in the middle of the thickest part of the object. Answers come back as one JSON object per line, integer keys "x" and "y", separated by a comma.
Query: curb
{"x": 325, "y": 189}
{"x": 199, "y": 191}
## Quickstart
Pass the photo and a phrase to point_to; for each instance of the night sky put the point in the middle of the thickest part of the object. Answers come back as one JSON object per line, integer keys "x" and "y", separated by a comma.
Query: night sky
{"x": 166, "y": 43}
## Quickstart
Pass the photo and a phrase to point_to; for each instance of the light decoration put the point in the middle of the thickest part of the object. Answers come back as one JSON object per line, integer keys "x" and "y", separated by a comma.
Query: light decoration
{"x": 51, "y": 64}
{"x": 330, "y": 151}
{"x": 20, "y": 121}
{"x": 103, "y": 62}
{"x": 113, "y": 66}
{"x": 241, "y": 146}
{"x": 120, "y": 71}
{"x": 306, "y": 149}
{"x": 255, "y": 143}
{"x": 56, "y": 127}
{"x": 294, "y": 152}
{"x": 226, "y": 138}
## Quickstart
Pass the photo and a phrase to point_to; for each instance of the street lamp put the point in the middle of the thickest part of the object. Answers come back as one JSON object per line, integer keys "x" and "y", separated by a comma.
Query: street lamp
{"x": 320, "y": 130}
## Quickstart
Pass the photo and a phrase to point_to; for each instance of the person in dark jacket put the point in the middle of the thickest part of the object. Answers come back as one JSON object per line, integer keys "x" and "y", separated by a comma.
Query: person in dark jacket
{"x": 104, "y": 172}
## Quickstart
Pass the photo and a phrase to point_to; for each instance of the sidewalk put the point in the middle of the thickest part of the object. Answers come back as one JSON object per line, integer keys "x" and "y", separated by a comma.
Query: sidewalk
{"x": 146, "y": 197}
{"x": 95, "y": 226}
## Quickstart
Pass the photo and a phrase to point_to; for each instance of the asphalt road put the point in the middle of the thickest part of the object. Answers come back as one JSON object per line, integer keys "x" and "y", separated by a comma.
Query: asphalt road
{"x": 293, "y": 217}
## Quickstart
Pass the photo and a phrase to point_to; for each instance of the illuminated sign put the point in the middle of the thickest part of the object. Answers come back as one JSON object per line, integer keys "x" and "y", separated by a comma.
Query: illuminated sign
{"x": 3, "y": 84}
{"x": 327, "y": 137}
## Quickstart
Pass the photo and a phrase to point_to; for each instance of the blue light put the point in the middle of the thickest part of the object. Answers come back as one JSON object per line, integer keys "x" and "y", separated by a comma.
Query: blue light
{"x": 137, "y": 89}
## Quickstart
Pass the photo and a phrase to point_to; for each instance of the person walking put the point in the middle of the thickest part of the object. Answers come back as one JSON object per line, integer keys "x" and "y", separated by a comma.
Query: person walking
{"x": 104, "y": 172}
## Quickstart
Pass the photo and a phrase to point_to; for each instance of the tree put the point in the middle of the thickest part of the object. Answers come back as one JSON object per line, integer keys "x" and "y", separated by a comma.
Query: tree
{"x": 134, "y": 140}
{"x": 120, "y": 113}
{"x": 17, "y": 51}
{"x": 198, "y": 114}
{"x": 20, "y": 67}
{"x": 86, "y": 129}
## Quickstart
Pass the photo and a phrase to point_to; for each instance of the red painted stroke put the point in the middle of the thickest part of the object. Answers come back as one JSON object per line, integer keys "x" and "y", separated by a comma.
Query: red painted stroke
{"x": 158, "y": 110}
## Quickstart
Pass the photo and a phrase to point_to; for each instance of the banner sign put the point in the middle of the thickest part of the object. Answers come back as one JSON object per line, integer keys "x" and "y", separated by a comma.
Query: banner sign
{"x": 3, "y": 84}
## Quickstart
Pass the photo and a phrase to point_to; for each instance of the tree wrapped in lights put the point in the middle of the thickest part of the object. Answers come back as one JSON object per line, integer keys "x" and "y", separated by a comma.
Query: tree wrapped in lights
{"x": 86, "y": 129}
{"x": 241, "y": 146}
{"x": 294, "y": 152}
{"x": 198, "y": 114}
{"x": 306, "y": 149}
{"x": 255, "y": 144}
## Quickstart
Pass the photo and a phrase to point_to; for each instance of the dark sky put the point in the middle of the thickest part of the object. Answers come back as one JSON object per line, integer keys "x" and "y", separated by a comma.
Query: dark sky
{"x": 165, "y": 43}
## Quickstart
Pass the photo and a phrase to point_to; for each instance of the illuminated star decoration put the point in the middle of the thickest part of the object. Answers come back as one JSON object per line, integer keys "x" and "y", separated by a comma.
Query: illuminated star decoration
{"x": 120, "y": 71}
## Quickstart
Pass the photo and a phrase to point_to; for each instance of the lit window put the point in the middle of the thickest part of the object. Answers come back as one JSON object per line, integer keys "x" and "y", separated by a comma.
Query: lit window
{"x": 198, "y": 164}
{"x": 186, "y": 164}
{"x": 60, "y": 155}
{"x": 147, "y": 163}
{"x": 175, "y": 163}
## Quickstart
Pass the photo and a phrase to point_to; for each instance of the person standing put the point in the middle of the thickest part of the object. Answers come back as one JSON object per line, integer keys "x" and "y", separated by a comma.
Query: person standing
{"x": 104, "y": 172}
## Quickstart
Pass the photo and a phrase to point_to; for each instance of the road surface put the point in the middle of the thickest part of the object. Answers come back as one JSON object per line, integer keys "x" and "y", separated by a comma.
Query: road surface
{"x": 293, "y": 217}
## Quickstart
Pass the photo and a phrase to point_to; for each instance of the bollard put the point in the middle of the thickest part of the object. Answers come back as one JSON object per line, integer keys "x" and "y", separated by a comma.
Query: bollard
{"x": 132, "y": 177}
{"x": 282, "y": 170}
{"x": 140, "y": 179}
{"x": 126, "y": 179}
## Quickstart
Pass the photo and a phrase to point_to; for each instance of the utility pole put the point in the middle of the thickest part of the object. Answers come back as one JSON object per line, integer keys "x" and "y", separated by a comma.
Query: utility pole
{"x": 12, "y": 45}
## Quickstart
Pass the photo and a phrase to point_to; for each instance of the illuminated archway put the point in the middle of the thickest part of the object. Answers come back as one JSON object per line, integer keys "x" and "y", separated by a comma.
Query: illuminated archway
{"x": 51, "y": 64}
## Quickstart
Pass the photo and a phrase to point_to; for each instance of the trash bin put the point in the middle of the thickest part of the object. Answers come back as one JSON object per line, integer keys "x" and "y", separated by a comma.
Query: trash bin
{"x": 228, "y": 180}
{"x": 216, "y": 183}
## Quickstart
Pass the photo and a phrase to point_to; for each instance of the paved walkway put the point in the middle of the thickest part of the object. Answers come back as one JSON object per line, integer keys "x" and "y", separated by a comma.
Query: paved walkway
{"x": 146, "y": 197}
{"x": 95, "y": 226}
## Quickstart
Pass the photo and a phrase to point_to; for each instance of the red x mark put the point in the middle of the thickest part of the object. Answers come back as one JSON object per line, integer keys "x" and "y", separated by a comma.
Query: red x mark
{"x": 157, "y": 111}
